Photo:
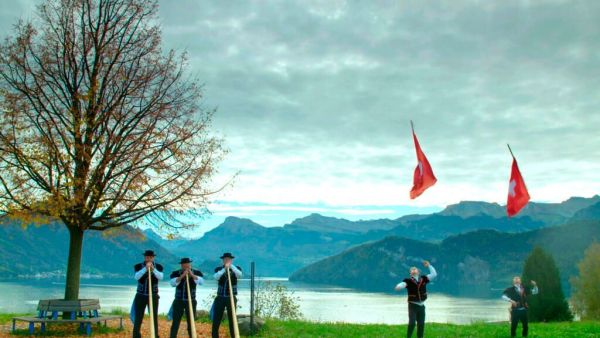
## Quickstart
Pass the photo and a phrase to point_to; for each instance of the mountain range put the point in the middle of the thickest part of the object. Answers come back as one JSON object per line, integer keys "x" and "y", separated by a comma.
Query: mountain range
{"x": 277, "y": 251}
{"x": 41, "y": 251}
{"x": 472, "y": 264}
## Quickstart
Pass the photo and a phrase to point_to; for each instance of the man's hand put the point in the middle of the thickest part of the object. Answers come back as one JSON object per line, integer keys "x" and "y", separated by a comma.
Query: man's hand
{"x": 426, "y": 264}
{"x": 149, "y": 265}
{"x": 513, "y": 303}
{"x": 228, "y": 265}
{"x": 397, "y": 288}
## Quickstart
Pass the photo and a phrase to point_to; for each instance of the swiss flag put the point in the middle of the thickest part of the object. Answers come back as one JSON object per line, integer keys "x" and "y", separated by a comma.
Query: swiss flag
{"x": 517, "y": 191}
{"x": 423, "y": 177}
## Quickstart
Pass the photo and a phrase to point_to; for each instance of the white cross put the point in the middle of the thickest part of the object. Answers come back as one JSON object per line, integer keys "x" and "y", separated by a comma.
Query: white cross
{"x": 420, "y": 168}
{"x": 511, "y": 188}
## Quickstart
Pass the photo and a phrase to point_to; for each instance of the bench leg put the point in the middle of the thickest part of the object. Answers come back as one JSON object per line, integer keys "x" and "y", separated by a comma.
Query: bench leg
{"x": 43, "y": 327}
{"x": 88, "y": 329}
{"x": 14, "y": 326}
{"x": 121, "y": 323}
{"x": 31, "y": 328}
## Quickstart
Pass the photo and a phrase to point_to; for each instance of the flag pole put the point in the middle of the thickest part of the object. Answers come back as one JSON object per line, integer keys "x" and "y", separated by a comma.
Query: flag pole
{"x": 412, "y": 126}
{"x": 150, "y": 304}
{"x": 190, "y": 307}
{"x": 236, "y": 330}
{"x": 511, "y": 153}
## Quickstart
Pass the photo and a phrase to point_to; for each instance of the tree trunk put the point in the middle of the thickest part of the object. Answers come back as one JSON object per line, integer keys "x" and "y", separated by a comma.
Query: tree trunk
{"x": 74, "y": 263}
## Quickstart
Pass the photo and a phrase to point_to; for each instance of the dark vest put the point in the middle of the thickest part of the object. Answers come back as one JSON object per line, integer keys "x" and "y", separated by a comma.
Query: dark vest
{"x": 520, "y": 298}
{"x": 417, "y": 291}
{"x": 142, "y": 283}
{"x": 223, "y": 289}
{"x": 181, "y": 289}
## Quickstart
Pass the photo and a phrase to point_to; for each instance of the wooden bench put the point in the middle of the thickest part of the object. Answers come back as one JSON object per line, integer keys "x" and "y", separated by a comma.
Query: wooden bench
{"x": 82, "y": 311}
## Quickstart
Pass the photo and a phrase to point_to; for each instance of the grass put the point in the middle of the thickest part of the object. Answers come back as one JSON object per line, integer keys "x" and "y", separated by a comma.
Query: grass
{"x": 282, "y": 329}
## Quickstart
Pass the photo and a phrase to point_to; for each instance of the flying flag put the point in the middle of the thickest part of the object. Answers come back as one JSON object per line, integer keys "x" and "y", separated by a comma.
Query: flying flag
{"x": 423, "y": 177}
{"x": 517, "y": 191}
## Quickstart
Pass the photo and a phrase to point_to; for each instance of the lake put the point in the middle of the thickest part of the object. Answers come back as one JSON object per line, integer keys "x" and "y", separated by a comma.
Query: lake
{"x": 317, "y": 303}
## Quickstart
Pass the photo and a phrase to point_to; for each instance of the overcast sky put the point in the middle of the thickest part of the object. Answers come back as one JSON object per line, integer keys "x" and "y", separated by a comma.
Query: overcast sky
{"x": 314, "y": 99}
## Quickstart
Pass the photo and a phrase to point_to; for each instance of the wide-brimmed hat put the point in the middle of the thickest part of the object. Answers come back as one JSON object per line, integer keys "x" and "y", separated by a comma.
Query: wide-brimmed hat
{"x": 149, "y": 253}
{"x": 227, "y": 255}
{"x": 185, "y": 260}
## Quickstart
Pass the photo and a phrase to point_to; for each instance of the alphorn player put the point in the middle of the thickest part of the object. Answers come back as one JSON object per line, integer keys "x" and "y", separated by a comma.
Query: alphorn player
{"x": 223, "y": 299}
{"x": 180, "y": 303}
{"x": 140, "y": 302}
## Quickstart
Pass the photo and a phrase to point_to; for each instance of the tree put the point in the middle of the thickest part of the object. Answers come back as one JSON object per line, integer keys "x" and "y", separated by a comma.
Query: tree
{"x": 99, "y": 127}
{"x": 550, "y": 304}
{"x": 586, "y": 287}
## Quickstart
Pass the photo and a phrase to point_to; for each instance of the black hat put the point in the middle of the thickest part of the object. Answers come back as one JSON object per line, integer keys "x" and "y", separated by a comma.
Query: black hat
{"x": 227, "y": 255}
{"x": 149, "y": 253}
{"x": 185, "y": 260}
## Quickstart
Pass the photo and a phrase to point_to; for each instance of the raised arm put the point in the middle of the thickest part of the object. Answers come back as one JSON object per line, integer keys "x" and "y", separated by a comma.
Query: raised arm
{"x": 534, "y": 288}
{"x": 432, "y": 273}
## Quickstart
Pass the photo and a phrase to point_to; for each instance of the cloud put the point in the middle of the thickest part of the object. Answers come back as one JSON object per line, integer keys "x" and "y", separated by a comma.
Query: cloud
{"x": 314, "y": 98}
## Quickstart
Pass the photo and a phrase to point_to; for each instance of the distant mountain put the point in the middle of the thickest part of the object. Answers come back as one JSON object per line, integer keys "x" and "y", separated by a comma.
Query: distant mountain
{"x": 42, "y": 251}
{"x": 547, "y": 213}
{"x": 468, "y": 264}
{"x": 277, "y": 251}
{"x": 169, "y": 244}
{"x": 316, "y": 222}
{"x": 590, "y": 213}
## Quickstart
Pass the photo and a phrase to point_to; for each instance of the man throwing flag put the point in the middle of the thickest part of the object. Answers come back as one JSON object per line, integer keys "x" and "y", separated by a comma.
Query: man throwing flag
{"x": 416, "y": 287}
{"x": 180, "y": 303}
{"x": 517, "y": 296}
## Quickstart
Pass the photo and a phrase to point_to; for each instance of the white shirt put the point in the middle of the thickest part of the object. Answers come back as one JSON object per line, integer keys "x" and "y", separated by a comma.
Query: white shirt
{"x": 432, "y": 274}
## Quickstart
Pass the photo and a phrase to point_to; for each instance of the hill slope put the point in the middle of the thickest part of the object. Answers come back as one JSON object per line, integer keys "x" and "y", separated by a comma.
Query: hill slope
{"x": 43, "y": 250}
{"x": 468, "y": 264}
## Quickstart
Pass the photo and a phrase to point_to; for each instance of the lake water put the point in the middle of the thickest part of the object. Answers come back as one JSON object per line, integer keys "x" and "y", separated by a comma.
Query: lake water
{"x": 317, "y": 303}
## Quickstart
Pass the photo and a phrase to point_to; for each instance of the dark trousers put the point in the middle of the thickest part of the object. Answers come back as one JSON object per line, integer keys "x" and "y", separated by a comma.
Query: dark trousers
{"x": 516, "y": 316}
{"x": 416, "y": 315}
{"x": 179, "y": 307}
{"x": 140, "y": 303}
{"x": 219, "y": 306}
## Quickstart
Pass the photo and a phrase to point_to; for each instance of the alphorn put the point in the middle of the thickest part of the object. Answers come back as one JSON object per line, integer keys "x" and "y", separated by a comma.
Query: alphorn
{"x": 236, "y": 330}
{"x": 190, "y": 307}
{"x": 150, "y": 304}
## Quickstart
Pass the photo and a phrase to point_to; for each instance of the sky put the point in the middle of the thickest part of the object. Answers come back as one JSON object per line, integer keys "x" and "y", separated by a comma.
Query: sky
{"x": 314, "y": 100}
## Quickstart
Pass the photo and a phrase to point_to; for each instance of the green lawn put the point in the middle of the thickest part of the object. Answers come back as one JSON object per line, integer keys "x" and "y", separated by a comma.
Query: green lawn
{"x": 282, "y": 329}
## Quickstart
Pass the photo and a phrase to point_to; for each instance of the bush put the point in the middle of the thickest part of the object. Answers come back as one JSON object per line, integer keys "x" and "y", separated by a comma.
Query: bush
{"x": 274, "y": 300}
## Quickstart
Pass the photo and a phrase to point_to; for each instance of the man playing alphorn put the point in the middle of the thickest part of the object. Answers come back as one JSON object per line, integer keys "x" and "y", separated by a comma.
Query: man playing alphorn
{"x": 141, "y": 299}
{"x": 416, "y": 287}
{"x": 181, "y": 301}
{"x": 223, "y": 299}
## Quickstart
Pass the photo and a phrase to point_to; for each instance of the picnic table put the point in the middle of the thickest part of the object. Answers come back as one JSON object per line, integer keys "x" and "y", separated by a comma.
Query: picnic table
{"x": 82, "y": 311}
